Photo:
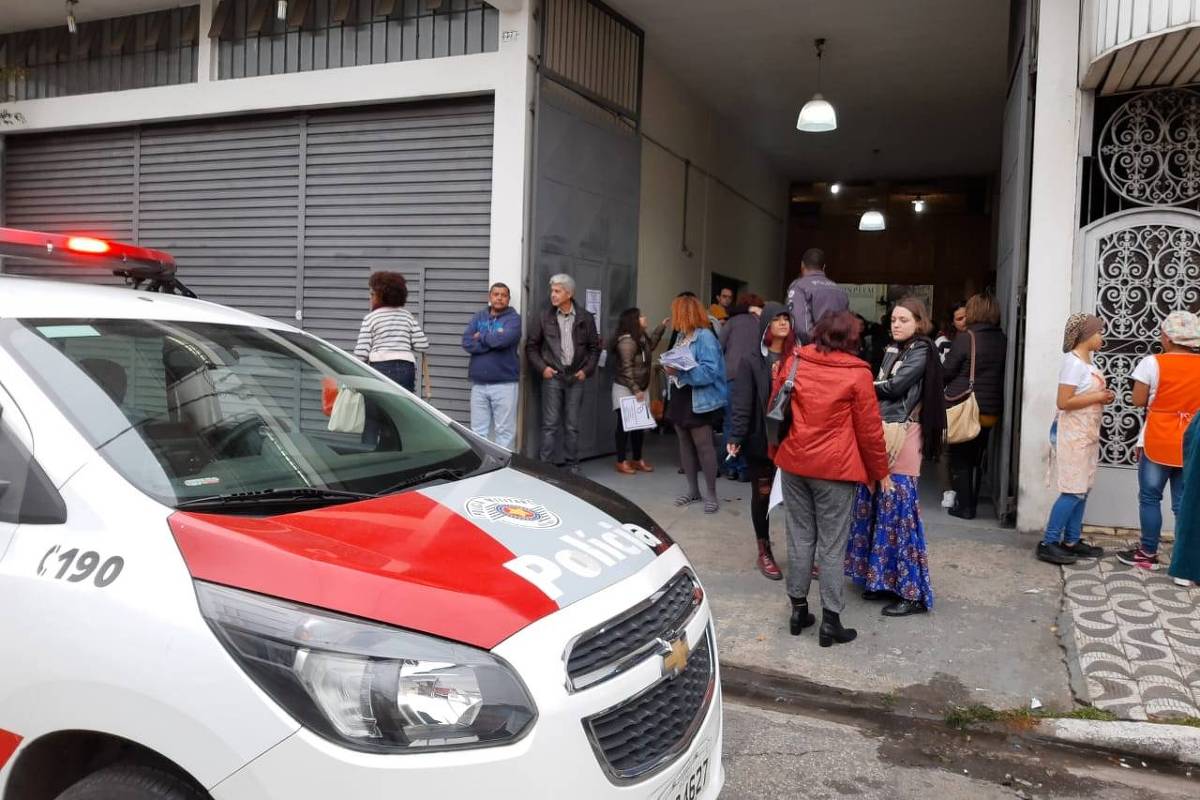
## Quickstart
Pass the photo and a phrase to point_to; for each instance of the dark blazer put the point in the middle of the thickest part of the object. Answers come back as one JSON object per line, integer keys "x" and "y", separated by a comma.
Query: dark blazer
{"x": 543, "y": 343}
{"x": 991, "y": 349}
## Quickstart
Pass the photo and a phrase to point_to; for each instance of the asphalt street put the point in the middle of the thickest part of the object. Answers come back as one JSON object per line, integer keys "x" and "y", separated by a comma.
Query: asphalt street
{"x": 769, "y": 754}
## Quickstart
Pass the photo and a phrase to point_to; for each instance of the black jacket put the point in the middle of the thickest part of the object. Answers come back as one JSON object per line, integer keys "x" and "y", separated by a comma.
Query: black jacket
{"x": 899, "y": 384}
{"x": 741, "y": 338}
{"x": 751, "y": 391}
{"x": 543, "y": 343}
{"x": 991, "y": 348}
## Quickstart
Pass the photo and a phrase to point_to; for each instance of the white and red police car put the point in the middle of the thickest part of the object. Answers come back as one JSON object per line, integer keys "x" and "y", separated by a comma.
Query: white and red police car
{"x": 237, "y": 564}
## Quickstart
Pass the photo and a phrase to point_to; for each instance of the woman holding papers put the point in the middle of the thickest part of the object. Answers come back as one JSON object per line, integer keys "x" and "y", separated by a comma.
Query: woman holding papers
{"x": 697, "y": 394}
{"x": 631, "y": 351}
{"x": 747, "y": 428}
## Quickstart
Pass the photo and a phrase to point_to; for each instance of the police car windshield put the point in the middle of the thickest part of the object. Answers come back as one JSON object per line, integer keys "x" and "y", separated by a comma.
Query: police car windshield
{"x": 189, "y": 410}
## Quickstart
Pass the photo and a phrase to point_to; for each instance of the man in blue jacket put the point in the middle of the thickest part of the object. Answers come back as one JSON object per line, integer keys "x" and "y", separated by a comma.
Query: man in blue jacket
{"x": 491, "y": 338}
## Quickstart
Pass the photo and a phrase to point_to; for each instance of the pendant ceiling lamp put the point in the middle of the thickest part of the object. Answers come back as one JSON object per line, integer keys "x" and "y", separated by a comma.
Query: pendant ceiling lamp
{"x": 818, "y": 115}
{"x": 872, "y": 221}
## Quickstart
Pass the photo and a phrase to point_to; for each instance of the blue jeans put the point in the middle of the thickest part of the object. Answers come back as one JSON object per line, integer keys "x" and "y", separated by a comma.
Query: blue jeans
{"x": 1066, "y": 519}
{"x": 494, "y": 408}
{"x": 562, "y": 401}
{"x": 402, "y": 372}
{"x": 1152, "y": 480}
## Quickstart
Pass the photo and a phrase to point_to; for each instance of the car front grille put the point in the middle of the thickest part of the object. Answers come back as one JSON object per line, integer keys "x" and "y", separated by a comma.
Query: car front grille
{"x": 622, "y": 642}
{"x": 648, "y": 731}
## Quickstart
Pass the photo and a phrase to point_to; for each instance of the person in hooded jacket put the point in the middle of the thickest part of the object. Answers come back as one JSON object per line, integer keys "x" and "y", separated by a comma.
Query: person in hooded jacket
{"x": 886, "y": 556}
{"x": 832, "y": 444}
{"x": 741, "y": 339}
{"x": 746, "y": 435}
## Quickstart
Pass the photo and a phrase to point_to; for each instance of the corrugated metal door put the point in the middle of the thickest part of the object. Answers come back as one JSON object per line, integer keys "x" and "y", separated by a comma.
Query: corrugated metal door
{"x": 406, "y": 189}
{"x": 288, "y": 213}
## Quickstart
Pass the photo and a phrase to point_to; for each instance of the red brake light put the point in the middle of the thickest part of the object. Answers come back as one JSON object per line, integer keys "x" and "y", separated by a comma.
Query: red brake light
{"x": 86, "y": 244}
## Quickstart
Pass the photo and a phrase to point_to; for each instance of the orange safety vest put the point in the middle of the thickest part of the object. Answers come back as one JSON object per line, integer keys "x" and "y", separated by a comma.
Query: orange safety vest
{"x": 1175, "y": 401}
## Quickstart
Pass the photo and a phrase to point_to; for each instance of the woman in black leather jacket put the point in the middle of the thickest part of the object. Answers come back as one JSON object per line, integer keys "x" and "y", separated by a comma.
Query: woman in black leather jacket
{"x": 886, "y": 554}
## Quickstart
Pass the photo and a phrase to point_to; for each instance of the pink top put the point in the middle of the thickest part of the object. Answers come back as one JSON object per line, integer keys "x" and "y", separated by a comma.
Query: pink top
{"x": 908, "y": 460}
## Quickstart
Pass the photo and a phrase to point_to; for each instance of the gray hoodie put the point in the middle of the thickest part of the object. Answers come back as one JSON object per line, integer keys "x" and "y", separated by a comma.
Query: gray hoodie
{"x": 811, "y": 297}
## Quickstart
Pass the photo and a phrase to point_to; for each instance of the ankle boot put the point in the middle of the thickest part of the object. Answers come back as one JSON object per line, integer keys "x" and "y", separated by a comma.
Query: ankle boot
{"x": 964, "y": 502}
{"x": 766, "y": 561}
{"x": 832, "y": 630}
{"x": 801, "y": 618}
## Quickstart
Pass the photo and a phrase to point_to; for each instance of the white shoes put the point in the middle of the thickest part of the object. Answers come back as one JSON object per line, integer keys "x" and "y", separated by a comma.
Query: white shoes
{"x": 948, "y": 498}
{"x": 1184, "y": 582}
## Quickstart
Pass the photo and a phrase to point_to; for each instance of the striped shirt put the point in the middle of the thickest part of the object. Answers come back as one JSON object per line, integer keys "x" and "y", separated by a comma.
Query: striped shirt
{"x": 390, "y": 334}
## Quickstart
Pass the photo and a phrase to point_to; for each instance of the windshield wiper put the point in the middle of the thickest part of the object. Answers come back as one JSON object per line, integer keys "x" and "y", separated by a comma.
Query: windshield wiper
{"x": 440, "y": 473}
{"x": 274, "y": 495}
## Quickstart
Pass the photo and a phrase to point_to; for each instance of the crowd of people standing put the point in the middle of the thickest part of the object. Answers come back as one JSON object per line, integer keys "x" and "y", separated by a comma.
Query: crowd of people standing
{"x": 786, "y": 387}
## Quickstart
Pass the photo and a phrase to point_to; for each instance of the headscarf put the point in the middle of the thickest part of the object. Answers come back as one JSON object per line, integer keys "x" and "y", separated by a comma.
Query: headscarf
{"x": 1183, "y": 329}
{"x": 1080, "y": 328}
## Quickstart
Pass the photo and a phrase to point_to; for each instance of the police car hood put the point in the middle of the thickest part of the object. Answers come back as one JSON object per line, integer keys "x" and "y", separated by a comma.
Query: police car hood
{"x": 474, "y": 561}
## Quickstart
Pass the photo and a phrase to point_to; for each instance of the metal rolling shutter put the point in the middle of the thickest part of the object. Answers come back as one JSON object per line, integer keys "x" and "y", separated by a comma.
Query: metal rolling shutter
{"x": 406, "y": 189}
{"x": 224, "y": 198}
{"x": 286, "y": 212}
{"x": 67, "y": 183}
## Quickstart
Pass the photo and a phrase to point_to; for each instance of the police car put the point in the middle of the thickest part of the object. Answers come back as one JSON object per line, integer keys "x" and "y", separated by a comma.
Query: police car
{"x": 236, "y": 563}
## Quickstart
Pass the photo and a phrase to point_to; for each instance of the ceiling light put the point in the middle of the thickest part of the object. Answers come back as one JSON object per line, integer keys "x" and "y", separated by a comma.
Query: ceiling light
{"x": 281, "y": 10}
{"x": 818, "y": 115}
{"x": 872, "y": 221}
{"x": 835, "y": 188}
{"x": 919, "y": 205}
{"x": 72, "y": 26}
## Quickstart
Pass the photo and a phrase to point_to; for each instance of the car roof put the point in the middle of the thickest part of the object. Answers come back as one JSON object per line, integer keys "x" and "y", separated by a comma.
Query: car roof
{"x": 33, "y": 298}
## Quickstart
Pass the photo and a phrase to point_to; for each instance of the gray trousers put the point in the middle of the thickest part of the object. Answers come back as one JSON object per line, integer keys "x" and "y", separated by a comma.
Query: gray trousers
{"x": 561, "y": 403}
{"x": 818, "y": 515}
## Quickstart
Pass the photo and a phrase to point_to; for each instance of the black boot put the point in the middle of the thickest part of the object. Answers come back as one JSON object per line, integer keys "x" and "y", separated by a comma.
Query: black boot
{"x": 801, "y": 618}
{"x": 964, "y": 498}
{"x": 832, "y": 630}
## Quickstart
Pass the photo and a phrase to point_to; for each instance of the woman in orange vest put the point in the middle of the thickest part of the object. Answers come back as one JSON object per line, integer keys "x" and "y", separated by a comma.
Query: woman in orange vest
{"x": 1168, "y": 385}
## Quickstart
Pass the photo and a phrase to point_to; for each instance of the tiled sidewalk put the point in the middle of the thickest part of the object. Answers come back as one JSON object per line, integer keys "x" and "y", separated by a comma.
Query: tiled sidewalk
{"x": 1137, "y": 638}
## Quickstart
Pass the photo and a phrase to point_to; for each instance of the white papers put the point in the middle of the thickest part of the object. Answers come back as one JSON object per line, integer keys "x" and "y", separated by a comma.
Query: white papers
{"x": 678, "y": 358}
{"x": 776, "y": 498}
{"x": 636, "y": 416}
{"x": 592, "y": 302}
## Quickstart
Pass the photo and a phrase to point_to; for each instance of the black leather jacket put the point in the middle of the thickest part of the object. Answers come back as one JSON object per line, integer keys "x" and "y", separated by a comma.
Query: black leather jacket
{"x": 898, "y": 385}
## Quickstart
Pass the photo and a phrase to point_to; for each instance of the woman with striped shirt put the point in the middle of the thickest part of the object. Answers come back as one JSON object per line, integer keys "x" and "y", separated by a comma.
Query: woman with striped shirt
{"x": 390, "y": 334}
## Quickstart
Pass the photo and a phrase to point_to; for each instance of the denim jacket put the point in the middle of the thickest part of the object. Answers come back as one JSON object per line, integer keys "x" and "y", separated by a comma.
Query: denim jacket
{"x": 710, "y": 391}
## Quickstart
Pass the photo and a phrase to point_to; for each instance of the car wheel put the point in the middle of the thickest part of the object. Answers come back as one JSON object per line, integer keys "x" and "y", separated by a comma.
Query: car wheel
{"x": 133, "y": 782}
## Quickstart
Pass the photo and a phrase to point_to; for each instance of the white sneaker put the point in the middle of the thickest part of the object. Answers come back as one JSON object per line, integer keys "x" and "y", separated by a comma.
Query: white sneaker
{"x": 1184, "y": 582}
{"x": 948, "y": 498}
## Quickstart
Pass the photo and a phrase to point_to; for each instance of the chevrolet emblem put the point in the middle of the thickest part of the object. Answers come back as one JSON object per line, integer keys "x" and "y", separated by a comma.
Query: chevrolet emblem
{"x": 675, "y": 656}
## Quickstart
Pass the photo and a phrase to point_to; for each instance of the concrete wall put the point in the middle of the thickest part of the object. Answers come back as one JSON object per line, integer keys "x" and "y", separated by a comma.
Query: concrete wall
{"x": 739, "y": 236}
{"x": 507, "y": 74}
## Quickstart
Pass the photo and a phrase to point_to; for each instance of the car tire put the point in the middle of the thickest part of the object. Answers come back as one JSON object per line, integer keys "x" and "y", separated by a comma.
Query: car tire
{"x": 133, "y": 782}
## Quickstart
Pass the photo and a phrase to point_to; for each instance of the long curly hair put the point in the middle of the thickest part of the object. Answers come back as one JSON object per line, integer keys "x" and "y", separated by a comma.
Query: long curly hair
{"x": 389, "y": 288}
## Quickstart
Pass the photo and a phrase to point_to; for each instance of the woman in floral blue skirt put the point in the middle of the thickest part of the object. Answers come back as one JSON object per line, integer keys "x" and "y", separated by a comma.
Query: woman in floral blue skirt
{"x": 886, "y": 552}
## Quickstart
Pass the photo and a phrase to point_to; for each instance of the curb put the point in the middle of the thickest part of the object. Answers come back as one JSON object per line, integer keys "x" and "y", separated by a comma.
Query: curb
{"x": 1159, "y": 741}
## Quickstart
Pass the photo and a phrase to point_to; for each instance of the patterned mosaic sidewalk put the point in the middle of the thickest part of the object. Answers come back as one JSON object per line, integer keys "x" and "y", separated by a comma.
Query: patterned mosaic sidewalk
{"x": 1137, "y": 636}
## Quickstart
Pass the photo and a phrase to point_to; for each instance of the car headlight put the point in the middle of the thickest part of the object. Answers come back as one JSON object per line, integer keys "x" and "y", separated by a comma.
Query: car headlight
{"x": 366, "y": 685}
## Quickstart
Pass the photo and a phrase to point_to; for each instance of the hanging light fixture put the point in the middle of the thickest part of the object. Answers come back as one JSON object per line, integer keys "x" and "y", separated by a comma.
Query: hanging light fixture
{"x": 72, "y": 25}
{"x": 281, "y": 10}
{"x": 872, "y": 220}
{"x": 919, "y": 205}
{"x": 818, "y": 115}
{"x": 835, "y": 188}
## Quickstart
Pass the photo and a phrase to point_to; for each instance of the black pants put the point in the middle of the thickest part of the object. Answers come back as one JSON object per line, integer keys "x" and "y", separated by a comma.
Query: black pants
{"x": 762, "y": 475}
{"x": 966, "y": 463}
{"x": 626, "y": 440}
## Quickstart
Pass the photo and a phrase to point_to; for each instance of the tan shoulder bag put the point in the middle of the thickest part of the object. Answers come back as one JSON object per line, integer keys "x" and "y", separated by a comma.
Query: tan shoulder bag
{"x": 962, "y": 420}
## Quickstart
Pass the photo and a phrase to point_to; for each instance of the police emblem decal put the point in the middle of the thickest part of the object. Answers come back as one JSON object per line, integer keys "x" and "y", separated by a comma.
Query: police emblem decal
{"x": 514, "y": 511}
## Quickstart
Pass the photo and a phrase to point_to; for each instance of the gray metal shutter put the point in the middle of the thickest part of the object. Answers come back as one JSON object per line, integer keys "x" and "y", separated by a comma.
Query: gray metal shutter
{"x": 406, "y": 189}
{"x": 67, "y": 183}
{"x": 224, "y": 198}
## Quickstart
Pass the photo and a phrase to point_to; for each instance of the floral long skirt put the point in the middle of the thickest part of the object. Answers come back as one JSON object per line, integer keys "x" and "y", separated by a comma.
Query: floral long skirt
{"x": 886, "y": 551}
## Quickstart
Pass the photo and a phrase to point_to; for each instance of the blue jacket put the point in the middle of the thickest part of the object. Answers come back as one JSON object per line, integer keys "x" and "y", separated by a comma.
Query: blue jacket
{"x": 710, "y": 390}
{"x": 494, "y": 353}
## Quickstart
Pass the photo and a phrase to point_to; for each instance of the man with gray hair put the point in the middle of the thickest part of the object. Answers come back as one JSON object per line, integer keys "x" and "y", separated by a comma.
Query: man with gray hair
{"x": 563, "y": 349}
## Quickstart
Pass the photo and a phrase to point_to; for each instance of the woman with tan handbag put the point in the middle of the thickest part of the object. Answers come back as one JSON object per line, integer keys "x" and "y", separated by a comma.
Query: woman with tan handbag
{"x": 974, "y": 378}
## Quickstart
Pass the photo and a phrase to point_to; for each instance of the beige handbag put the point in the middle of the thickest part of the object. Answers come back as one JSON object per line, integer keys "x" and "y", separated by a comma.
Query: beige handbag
{"x": 962, "y": 420}
{"x": 894, "y": 434}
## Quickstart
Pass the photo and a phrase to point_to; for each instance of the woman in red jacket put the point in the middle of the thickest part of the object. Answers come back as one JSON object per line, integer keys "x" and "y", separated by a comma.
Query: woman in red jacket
{"x": 834, "y": 443}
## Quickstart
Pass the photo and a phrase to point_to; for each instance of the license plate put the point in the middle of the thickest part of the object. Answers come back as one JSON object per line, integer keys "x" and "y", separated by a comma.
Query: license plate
{"x": 690, "y": 780}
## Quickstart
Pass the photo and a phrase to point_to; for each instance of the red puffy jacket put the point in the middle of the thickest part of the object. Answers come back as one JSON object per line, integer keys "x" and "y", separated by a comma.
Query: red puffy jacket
{"x": 836, "y": 432}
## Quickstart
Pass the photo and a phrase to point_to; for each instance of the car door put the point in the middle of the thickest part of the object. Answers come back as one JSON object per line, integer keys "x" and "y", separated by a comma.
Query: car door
{"x": 16, "y": 445}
